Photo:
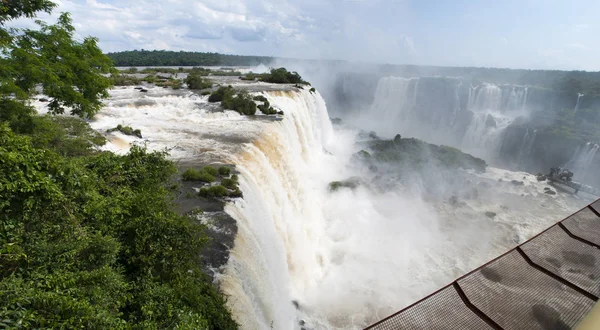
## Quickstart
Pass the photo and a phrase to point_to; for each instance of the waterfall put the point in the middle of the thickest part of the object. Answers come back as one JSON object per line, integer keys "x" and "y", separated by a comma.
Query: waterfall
{"x": 485, "y": 97}
{"x": 299, "y": 242}
{"x": 579, "y": 95}
{"x": 303, "y": 254}
{"x": 490, "y": 97}
{"x": 444, "y": 110}
{"x": 582, "y": 161}
{"x": 526, "y": 146}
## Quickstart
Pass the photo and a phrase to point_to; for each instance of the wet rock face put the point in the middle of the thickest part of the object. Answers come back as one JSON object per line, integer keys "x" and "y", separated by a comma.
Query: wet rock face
{"x": 490, "y": 214}
{"x": 490, "y": 122}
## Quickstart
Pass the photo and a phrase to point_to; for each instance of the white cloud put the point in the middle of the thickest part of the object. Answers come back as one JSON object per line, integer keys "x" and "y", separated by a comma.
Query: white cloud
{"x": 391, "y": 31}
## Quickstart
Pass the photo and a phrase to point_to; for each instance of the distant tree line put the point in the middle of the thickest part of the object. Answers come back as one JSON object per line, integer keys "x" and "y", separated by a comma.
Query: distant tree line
{"x": 181, "y": 58}
{"x": 572, "y": 82}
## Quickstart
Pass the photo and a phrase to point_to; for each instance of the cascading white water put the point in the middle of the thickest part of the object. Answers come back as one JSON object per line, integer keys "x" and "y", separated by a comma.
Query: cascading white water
{"x": 526, "y": 145}
{"x": 351, "y": 257}
{"x": 395, "y": 99}
{"x": 579, "y": 96}
{"x": 582, "y": 161}
{"x": 411, "y": 107}
{"x": 485, "y": 97}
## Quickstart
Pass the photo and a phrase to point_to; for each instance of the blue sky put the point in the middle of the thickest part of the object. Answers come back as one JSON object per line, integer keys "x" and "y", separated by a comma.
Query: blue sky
{"x": 536, "y": 34}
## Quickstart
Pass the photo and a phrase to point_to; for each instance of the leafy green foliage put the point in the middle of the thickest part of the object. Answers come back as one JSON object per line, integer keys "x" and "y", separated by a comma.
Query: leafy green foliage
{"x": 211, "y": 170}
{"x": 242, "y": 103}
{"x": 171, "y": 58}
{"x": 221, "y": 94}
{"x": 13, "y": 9}
{"x": 92, "y": 242}
{"x": 214, "y": 192}
{"x": 125, "y": 80}
{"x": 127, "y": 130}
{"x": 283, "y": 76}
{"x": 260, "y": 98}
{"x": 68, "y": 136}
{"x": 267, "y": 109}
{"x": 229, "y": 183}
{"x": 69, "y": 72}
{"x": 224, "y": 170}
{"x": 197, "y": 175}
{"x": 195, "y": 81}
{"x": 88, "y": 239}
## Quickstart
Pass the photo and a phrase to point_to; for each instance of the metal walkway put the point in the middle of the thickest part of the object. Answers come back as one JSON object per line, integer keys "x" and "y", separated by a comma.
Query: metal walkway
{"x": 550, "y": 281}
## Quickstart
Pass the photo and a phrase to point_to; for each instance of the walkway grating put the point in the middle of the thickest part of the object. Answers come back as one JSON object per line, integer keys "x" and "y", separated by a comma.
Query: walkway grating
{"x": 550, "y": 281}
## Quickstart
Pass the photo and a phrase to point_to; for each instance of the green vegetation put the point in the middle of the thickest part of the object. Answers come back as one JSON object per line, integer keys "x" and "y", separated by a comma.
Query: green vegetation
{"x": 225, "y": 171}
{"x": 170, "y": 82}
{"x": 195, "y": 81}
{"x": 267, "y": 109}
{"x": 197, "y": 175}
{"x": 89, "y": 239}
{"x": 240, "y": 102}
{"x": 283, "y": 76}
{"x": 351, "y": 183}
{"x": 260, "y": 98}
{"x": 211, "y": 170}
{"x": 127, "y": 130}
{"x": 214, "y": 191}
{"x": 312, "y": 90}
{"x": 229, "y": 183}
{"x": 125, "y": 80}
{"x": 172, "y": 58}
{"x": 414, "y": 154}
{"x": 224, "y": 187}
{"x": 68, "y": 136}
{"x": 221, "y": 94}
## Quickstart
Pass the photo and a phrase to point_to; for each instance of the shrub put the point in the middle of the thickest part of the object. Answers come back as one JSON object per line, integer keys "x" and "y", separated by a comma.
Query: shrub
{"x": 205, "y": 93}
{"x": 237, "y": 193}
{"x": 260, "y": 98}
{"x": 127, "y": 130}
{"x": 150, "y": 79}
{"x": 214, "y": 191}
{"x": 283, "y": 76}
{"x": 267, "y": 109}
{"x": 229, "y": 183}
{"x": 242, "y": 103}
{"x": 224, "y": 170}
{"x": 313, "y": 90}
{"x": 235, "y": 178}
{"x": 221, "y": 93}
{"x": 194, "y": 175}
{"x": 124, "y": 80}
{"x": 211, "y": 170}
{"x": 195, "y": 81}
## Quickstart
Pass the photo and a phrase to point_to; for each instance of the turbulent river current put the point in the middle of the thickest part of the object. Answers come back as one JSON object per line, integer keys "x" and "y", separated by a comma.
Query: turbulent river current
{"x": 305, "y": 256}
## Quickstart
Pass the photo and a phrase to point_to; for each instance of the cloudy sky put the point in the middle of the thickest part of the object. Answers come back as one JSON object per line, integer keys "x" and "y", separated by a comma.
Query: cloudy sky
{"x": 537, "y": 34}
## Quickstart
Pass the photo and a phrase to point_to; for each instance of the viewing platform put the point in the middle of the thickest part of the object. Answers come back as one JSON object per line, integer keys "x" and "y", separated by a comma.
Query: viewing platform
{"x": 551, "y": 281}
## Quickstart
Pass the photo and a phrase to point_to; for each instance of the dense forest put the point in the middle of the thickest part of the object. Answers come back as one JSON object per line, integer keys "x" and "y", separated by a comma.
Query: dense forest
{"x": 170, "y": 58}
{"x": 88, "y": 239}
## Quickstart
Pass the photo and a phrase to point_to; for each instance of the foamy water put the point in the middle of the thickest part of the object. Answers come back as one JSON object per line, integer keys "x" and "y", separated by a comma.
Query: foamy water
{"x": 346, "y": 258}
